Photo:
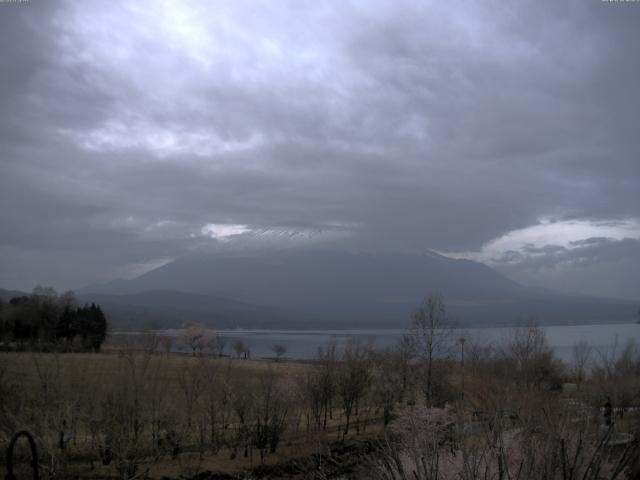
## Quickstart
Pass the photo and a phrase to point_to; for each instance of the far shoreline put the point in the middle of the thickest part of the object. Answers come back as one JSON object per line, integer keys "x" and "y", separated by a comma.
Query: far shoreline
{"x": 355, "y": 331}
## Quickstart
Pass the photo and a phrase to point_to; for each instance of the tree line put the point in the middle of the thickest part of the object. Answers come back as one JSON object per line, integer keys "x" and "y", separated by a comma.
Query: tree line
{"x": 48, "y": 321}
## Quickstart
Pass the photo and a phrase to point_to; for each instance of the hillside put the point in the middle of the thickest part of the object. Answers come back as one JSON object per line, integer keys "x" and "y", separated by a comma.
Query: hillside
{"x": 169, "y": 309}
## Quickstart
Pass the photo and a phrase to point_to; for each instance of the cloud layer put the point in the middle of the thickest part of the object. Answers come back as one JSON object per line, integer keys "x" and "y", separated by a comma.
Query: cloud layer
{"x": 129, "y": 128}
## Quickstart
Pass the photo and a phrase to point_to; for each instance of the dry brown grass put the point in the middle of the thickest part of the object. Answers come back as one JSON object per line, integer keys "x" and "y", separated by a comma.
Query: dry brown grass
{"x": 49, "y": 389}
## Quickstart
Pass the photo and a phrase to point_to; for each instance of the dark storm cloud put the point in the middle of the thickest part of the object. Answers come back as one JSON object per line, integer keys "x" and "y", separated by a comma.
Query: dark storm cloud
{"x": 129, "y": 127}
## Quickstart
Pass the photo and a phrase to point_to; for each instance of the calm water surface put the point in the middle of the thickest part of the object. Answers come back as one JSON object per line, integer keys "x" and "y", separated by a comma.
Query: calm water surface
{"x": 303, "y": 344}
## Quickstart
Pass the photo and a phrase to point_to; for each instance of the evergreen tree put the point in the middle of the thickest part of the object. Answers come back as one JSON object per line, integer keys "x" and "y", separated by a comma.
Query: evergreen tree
{"x": 45, "y": 318}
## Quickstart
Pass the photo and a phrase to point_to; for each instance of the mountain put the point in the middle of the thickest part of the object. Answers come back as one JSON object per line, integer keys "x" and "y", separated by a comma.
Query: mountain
{"x": 343, "y": 289}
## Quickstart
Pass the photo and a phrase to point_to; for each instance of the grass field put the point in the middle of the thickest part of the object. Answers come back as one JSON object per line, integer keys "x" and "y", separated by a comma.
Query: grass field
{"x": 132, "y": 414}
{"x": 28, "y": 367}
{"x": 144, "y": 408}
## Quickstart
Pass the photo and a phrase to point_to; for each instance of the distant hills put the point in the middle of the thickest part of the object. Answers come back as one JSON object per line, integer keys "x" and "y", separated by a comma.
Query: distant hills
{"x": 324, "y": 289}
{"x": 7, "y": 295}
{"x": 170, "y": 309}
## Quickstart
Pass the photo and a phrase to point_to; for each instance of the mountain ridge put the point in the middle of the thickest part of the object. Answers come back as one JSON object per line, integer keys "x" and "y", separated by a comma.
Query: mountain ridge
{"x": 366, "y": 289}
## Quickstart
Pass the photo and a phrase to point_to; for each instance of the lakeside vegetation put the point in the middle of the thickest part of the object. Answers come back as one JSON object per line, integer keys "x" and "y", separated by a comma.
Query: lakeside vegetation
{"x": 437, "y": 406}
{"x": 45, "y": 321}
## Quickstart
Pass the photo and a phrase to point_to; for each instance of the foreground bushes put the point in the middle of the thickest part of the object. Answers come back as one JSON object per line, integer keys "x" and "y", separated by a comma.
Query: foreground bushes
{"x": 446, "y": 444}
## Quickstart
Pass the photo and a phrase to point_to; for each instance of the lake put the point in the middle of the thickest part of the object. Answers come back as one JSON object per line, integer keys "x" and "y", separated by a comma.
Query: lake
{"x": 303, "y": 344}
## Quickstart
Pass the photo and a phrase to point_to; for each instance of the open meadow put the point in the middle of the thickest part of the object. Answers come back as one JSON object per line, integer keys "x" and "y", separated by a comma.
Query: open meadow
{"x": 412, "y": 411}
{"x": 128, "y": 414}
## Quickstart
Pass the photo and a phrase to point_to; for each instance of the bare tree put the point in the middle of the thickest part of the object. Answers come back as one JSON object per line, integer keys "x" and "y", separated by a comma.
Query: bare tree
{"x": 318, "y": 386}
{"x": 166, "y": 343}
{"x": 605, "y": 362}
{"x": 194, "y": 337}
{"x": 215, "y": 403}
{"x": 125, "y": 417}
{"x": 279, "y": 350}
{"x": 243, "y": 402}
{"x": 354, "y": 377}
{"x": 413, "y": 447}
{"x": 628, "y": 364}
{"x": 388, "y": 381}
{"x": 430, "y": 334}
{"x": 553, "y": 440}
{"x": 149, "y": 342}
{"x": 531, "y": 355}
{"x": 216, "y": 344}
{"x": 310, "y": 391}
{"x": 580, "y": 355}
{"x": 270, "y": 413}
{"x": 192, "y": 377}
{"x": 239, "y": 347}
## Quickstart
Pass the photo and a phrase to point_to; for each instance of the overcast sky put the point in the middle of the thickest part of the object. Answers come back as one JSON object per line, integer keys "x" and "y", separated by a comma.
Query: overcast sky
{"x": 133, "y": 133}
